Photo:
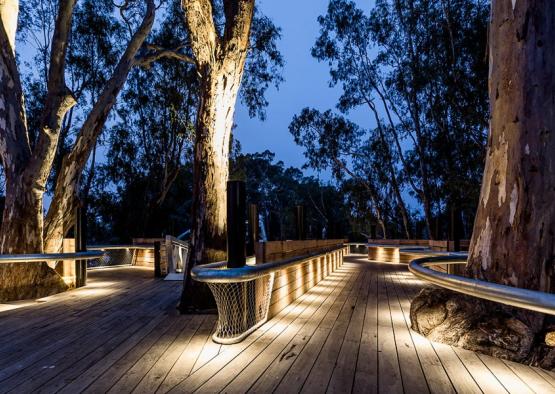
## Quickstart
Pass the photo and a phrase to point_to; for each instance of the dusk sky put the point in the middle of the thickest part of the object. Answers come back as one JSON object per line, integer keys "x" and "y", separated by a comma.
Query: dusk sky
{"x": 306, "y": 82}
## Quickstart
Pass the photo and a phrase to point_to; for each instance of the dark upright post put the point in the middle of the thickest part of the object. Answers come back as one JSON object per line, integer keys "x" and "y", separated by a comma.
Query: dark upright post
{"x": 253, "y": 229}
{"x": 157, "y": 260}
{"x": 299, "y": 216}
{"x": 236, "y": 217}
{"x": 80, "y": 246}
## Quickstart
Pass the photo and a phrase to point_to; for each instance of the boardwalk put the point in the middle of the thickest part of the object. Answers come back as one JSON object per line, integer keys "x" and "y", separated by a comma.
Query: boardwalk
{"x": 349, "y": 333}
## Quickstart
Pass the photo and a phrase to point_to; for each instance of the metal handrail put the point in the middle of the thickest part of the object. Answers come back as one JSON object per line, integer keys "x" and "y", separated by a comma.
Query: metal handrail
{"x": 533, "y": 300}
{"x": 218, "y": 273}
{"x": 114, "y": 247}
{"x": 40, "y": 257}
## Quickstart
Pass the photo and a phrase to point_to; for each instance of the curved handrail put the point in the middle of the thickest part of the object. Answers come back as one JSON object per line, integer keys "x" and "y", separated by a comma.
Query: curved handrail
{"x": 40, "y": 257}
{"x": 218, "y": 273}
{"x": 533, "y": 300}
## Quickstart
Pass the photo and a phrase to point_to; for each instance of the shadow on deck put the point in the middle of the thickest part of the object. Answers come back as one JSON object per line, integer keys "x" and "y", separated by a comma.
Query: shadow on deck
{"x": 349, "y": 333}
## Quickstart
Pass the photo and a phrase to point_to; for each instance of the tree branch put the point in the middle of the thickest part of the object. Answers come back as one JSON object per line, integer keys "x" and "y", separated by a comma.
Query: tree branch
{"x": 204, "y": 38}
{"x": 59, "y": 98}
{"x": 238, "y": 17}
{"x": 67, "y": 185}
{"x": 152, "y": 53}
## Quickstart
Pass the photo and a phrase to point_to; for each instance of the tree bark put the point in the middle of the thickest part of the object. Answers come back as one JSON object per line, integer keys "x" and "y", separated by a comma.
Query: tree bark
{"x": 513, "y": 239}
{"x": 220, "y": 61}
{"x": 26, "y": 168}
{"x": 60, "y": 212}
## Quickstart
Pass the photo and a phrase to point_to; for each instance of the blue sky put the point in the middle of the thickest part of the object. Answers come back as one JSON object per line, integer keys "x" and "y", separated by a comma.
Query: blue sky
{"x": 306, "y": 82}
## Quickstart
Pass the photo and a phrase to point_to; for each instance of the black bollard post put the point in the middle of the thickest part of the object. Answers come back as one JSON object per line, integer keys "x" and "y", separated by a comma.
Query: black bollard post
{"x": 299, "y": 216}
{"x": 252, "y": 229}
{"x": 236, "y": 217}
{"x": 80, "y": 245}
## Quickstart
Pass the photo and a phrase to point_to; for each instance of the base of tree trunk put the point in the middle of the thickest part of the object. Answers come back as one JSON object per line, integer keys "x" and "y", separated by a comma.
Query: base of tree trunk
{"x": 490, "y": 328}
{"x": 29, "y": 281}
{"x": 197, "y": 299}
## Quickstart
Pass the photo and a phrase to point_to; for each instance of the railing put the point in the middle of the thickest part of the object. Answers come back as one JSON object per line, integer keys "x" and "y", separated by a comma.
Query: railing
{"x": 357, "y": 247}
{"x": 115, "y": 255}
{"x": 522, "y": 298}
{"x": 243, "y": 294}
{"x": 177, "y": 255}
{"x": 45, "y": 257}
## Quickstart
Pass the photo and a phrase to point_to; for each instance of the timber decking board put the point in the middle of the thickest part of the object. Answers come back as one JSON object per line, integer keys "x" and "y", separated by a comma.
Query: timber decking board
{"x": 350, "y": 333}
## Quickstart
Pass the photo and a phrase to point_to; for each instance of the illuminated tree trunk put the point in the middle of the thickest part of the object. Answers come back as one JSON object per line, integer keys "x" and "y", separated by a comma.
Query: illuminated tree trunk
{"x": 27, "y": 166}
{"x": 514, "y": 233}
{"x": 220, "y": 61}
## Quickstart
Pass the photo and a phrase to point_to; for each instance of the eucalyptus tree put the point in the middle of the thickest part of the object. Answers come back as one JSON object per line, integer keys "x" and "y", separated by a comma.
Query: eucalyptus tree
{"x": 331, "y": 141}
{"x": 512, "y": 242}
{"x": 28, "y": 154}
{"x": 220, "y": 42}
{"x": 418, "y": 67}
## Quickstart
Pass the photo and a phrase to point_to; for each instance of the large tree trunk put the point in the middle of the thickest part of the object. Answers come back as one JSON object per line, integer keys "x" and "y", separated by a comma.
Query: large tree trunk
{"x": 513, "y": 240}
{"x": 66, "y": 194}
{"x": 26, "y": 169}
{"x": 220, "y": 63}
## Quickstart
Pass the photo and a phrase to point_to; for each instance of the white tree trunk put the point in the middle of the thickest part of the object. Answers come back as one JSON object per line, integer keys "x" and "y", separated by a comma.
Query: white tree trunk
{"x": 9, "y": 11}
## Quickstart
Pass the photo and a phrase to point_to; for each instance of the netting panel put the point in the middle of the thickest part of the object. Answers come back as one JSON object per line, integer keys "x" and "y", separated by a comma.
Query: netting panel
{"x": 242, "y": 307}
{"x": 113, "y": 257}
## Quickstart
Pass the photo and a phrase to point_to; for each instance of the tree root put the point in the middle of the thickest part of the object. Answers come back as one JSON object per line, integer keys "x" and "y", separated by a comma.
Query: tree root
{"x": 21, "y": 281}
{"x": 490, "y": 328}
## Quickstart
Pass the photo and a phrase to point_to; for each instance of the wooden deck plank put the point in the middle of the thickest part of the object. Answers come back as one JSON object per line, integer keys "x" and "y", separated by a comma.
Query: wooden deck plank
{"x": 251, "y": 368}
{"x": 351, "y": 332}
{"x": 366, "y": 373}
{"x": 210, "y": 349}
{"x": 32, "y": 353}
{"x": 436, "y": 376}
{"x": 389, "y": 373}
{"x": 184, "y": 364}
{"x": 280, "y": 361}
{"x": 482, "y": 375}
{"x": 411, "y": 370}
{"x": 294, "y": 378}
{"x": 322, "y": 370}
{"x": 140, "y": 369}
{"x": 46, "y": 310}
{"x": 263, "y": 335}
{"x": 56, "y": 332}
{"x": 343, "y": 375}
{"x": 534, "y": 380}
{"x": 512, "y": 382}
{"x": 154, "y": 378}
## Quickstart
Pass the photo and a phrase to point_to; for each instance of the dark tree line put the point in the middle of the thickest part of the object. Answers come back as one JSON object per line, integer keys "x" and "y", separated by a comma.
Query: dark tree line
{"x": 277, "y": 190}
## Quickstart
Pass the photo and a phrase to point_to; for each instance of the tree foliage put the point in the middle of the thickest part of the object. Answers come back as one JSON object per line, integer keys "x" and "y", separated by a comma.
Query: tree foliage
{"x": 419, "y": 67}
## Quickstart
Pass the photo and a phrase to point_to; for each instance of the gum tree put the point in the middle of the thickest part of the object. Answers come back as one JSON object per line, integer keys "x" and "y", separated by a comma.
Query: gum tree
{"x": 513, "y": 239}
{"x": 28, "y": 152}
{"x": 226, "y": 40}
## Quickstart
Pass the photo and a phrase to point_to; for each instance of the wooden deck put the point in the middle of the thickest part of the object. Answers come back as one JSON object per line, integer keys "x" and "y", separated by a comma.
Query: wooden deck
{"x": 349, "y": 333}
